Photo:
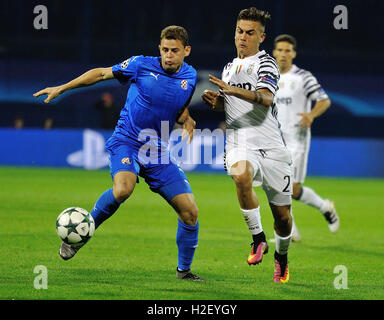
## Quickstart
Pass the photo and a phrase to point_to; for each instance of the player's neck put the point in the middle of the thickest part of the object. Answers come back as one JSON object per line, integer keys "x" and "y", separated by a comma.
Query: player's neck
{"x": 285, "y": 69}
{"x": 243, "y": 56}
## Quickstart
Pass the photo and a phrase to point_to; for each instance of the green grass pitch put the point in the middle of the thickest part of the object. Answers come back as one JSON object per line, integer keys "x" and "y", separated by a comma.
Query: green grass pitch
{"x": 133, "y": 255}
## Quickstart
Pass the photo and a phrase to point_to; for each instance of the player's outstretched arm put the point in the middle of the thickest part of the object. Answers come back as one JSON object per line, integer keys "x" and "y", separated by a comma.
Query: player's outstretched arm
{"x": 86, "y": 79}
{"x": 261, "y": 96}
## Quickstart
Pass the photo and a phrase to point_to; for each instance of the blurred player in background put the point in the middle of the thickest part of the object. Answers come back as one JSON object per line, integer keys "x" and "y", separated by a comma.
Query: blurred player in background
{"x": 255, "y": 150}
{"x": 161, "y": 89}
{"x": 298, "y": 88}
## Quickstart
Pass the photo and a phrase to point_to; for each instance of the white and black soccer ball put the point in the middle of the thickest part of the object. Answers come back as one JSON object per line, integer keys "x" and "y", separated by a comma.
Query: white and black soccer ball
{"x": 75, "y": 226}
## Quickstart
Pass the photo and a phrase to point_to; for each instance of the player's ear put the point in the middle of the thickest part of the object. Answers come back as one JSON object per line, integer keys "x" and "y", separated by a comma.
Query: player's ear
{"x": 294, "y": 54}
{"x": 160, "y": 48}
{"x": 187, "y": 51}
{"x": 262, "y": 37}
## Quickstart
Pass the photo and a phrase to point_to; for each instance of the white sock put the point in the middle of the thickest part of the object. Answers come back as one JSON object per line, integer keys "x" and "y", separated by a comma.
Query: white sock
{"x": 310, "y": 197}
{"x": 253, "y": 220}
{"x": 282, "y": 244}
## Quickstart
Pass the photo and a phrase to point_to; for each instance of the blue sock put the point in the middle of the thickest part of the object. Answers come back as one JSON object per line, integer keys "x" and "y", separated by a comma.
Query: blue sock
{"x": 186, "y": 239}
{"x": 105, "y": 207}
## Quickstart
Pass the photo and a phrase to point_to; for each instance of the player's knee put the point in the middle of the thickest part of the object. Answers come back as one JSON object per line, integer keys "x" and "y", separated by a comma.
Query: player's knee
{"x": 190, "y": 215}
{"x": 242, "y": 173}
{"x": 242, "y": 181}
{"x": 283, "y": 219}
{"x": 122, "y": 191}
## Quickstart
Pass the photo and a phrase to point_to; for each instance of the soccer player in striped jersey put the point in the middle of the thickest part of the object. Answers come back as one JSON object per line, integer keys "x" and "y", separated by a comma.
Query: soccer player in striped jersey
{"x": 298, "y": 89}
{"x": 255, "y": 151}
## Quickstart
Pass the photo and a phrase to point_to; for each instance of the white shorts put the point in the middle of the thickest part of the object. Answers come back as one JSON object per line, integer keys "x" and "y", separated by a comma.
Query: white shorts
{"x": 300, "y": 161}
{"x": 273, "y": 171}
{"x": 299, "y": 154}
{"x": 299, "y": 149}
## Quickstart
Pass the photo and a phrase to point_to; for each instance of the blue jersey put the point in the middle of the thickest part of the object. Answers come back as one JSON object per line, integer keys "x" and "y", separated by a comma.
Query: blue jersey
{"x": 154, "y": 96}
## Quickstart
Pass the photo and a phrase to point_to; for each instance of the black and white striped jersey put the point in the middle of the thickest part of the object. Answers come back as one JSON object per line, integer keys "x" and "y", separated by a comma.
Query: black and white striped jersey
{"x": 298, "y": 89}
{"x": 257, "y": 123}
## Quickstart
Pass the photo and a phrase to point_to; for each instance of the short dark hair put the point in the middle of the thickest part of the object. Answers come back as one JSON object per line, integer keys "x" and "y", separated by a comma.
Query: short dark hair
{"x": 254, "y": 14}
{"x": 286, "y": 38}
{"x": 175, "y": 33}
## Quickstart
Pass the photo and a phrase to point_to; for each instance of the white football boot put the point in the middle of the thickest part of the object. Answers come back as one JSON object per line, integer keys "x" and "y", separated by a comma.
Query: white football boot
{"x": 331, "y": 216}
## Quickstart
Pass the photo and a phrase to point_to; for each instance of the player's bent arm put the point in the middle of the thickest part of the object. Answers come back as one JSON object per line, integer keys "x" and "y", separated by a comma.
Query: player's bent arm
{"x": 261, "y": 96}
{"x": 187, "y": 122}
{"x": 86, "y": 79}
{"x": 184, "y": 117}
{"x": 320, "y": 107}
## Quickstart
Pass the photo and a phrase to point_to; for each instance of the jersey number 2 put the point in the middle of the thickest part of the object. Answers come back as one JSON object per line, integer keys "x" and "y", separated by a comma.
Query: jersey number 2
{"x": 287, "y": 186}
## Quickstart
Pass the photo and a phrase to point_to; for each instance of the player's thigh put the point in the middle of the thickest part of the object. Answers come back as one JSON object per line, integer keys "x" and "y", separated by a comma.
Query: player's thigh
{"x": 124, "y": 168}
{"x": 242, "y": 173}
{"x": 241, "y": 165}
{"x": 124, "y": 183}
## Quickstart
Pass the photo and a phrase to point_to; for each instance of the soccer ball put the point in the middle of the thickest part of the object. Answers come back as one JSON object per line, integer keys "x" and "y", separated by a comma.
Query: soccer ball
{"x": 75, "y": 226}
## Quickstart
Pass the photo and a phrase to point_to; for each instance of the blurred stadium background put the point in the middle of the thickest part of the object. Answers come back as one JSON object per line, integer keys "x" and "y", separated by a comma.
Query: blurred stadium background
{"x": 347, "y": 141}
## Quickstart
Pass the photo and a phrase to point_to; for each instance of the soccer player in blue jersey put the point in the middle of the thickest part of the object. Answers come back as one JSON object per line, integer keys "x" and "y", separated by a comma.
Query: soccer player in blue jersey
{"x": 160, "y": 92}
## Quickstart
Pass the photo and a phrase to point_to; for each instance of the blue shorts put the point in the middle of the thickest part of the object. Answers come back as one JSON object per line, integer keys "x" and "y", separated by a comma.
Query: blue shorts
{"x": 166, "y": 179}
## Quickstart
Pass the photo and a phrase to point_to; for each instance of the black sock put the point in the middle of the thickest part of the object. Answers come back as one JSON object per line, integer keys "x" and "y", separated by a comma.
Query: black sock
{"x": 260, "y": 237}
{"x": 282, "y": 258}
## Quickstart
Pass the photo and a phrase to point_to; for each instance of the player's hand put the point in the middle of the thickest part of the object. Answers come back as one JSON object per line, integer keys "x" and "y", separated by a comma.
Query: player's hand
{"x": 188, "y": 129}
{"x": 306, "y": 120}
{"x": 224, "y": 87}
{"x": 51, "y": 92}
{"x": 210, "y": 98}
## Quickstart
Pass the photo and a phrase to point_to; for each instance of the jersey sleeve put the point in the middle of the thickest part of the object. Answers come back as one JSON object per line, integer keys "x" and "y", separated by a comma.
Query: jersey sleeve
{"x": 127, "y": 70}
{"x": 268, "y": 75}
{"x": 226, "y": 68}
{"x": 193, "y": 84}
{"x": 312, "y": 89}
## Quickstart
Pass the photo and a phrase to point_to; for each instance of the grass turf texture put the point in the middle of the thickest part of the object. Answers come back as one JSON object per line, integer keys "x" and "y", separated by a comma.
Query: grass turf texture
{"x": 133, "y": 255}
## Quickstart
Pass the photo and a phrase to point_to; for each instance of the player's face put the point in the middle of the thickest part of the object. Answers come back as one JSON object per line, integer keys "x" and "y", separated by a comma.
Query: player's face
{"x": 172, "y": 54}
{"x": 248, "y": 37}
{"x": 284, "y": 54}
